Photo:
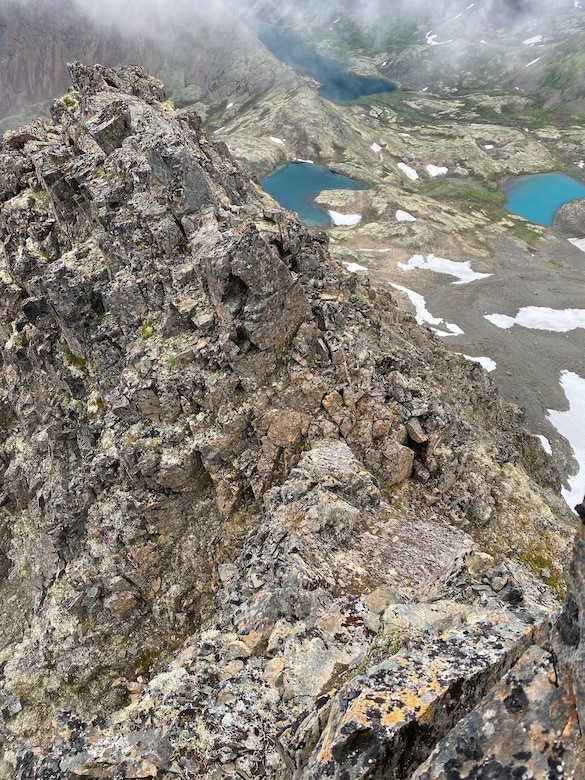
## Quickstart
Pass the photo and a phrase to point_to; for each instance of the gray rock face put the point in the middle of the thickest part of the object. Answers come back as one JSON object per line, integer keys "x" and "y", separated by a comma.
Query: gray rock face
{"x": 569, "y": 636}
{"x": 569, "y": 219}
{"x": 515, "y": 731}
{"x": 237, "y": 494}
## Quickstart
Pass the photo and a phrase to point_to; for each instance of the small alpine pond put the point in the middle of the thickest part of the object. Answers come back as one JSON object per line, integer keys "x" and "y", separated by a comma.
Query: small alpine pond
{"x": 295, "y": 186}
{"x": 537, "y": 197}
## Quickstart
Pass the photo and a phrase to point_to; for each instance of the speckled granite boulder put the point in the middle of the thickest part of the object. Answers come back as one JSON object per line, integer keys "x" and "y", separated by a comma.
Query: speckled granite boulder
{"x": 526, "y": 728}
{"x": 382, "y": 723}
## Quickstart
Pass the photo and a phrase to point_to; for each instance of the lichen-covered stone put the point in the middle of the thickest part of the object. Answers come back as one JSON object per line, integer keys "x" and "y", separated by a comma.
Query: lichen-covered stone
{"x": 221, "y": 456}
{"x": 525, "y": 727}
{"x": 381, "y": 723}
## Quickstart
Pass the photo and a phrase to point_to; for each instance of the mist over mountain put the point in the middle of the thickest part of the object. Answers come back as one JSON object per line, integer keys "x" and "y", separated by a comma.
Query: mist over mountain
{"x": 207, "y": 50}
{"x": 194, "y": 51}
{"x": 380, "y": 17}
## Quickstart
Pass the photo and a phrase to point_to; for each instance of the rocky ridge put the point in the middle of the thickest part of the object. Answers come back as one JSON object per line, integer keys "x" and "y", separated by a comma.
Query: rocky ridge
{"x": 199, "y": 53}
{"x": 249, "y": 528}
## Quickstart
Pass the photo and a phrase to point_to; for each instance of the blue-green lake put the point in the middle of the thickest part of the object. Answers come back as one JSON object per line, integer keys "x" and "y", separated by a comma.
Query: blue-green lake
{"x": 537, "y": 197}
{"x": 295, "y": 186}
{"x": 339, "y": 85}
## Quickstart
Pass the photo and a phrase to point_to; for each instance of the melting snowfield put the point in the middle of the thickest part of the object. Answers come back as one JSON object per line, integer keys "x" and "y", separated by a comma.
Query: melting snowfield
{"x": 541, "y": 318}
{"x": 423, "y": 315}
{"x": 437, "y": 170}
{"x": 578, "y": 242}
{"x": 408, "y": 171}
{"x": 354, "y": 268}
{"x": 404, "y": 216}
{"x": 462, "y": 271}
{"x": 545, "y": 444}
{"x": 345, "y": 219}
{"x": 570, "y": 424}
{"x": 485, "y": 362}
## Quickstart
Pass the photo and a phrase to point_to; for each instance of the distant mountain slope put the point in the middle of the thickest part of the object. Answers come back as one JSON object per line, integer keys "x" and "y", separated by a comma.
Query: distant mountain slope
{"x": 202, "y": 55}
{"x": 516, "y": 44}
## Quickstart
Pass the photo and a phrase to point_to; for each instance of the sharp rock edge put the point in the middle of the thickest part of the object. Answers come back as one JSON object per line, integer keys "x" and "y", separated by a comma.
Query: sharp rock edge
{"x": 255, "y": 522}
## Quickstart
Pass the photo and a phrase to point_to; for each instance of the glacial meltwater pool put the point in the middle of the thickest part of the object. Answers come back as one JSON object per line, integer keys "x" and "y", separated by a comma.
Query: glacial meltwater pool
{"x": 537, "y": 197}
{"x": 339, "y": 85}
{"x": 295, "y": 186}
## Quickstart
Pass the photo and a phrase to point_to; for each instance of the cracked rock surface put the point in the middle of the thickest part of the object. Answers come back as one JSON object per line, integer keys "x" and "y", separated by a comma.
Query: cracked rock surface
{"x": 254, "y": 521}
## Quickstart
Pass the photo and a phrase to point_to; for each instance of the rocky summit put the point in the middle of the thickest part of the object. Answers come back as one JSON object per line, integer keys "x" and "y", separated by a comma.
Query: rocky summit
{"x": 255, "y": 521}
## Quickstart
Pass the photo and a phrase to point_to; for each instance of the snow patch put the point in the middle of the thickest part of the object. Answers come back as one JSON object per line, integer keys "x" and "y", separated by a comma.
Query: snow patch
{"x": 533, "y": 40}
{"x": 275, "y": 140}
{"x": 541, "y": 318}
{"x": 485, "y": 362}
{"x": 409, "y": 172}
{"x": 345, "y": 219}
{"x": 229, "y": 105}
{"x": 578, "y": 242}
{"x": 432, "y": 39}
{"x": 308, "y": 162}
{"x": 376, "y": 148}
{"x": 528, "y": 64}
{"x": 462, "y": 271}
{"x": 570, "y": 425}
{"x": 488, "y": 146}
{"x": 423, "y": 315}
{"x": 545, "y": 443}
{"x": 436, "y": 170}
{"x": 353, "y": 268}
{"x": 404, "y": 216}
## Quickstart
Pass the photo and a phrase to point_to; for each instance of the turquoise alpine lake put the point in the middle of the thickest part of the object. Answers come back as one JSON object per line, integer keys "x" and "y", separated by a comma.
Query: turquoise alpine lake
{"x": 338, "y": 84}
{"x": 537, "y": 197}
{"x": 295, "y": 186}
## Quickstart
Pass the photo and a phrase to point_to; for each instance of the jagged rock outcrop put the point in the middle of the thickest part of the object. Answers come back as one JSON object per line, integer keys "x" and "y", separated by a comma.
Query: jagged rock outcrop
{"x": 255, "y": 522}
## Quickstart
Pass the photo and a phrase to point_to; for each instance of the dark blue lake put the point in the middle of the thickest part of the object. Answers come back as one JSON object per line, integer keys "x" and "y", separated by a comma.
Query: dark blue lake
{"x": 295, "y": 186}
{"x": 536, "y": 198}
{"x": 339, "y": 85}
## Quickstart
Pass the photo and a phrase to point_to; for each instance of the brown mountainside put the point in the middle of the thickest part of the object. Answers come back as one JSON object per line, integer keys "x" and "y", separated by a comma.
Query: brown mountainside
{"x": 254, "y": 521}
